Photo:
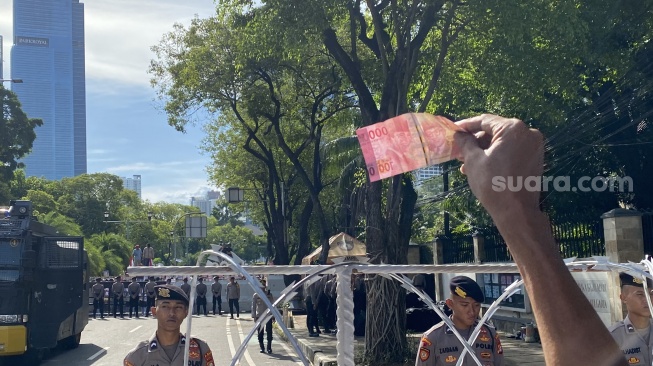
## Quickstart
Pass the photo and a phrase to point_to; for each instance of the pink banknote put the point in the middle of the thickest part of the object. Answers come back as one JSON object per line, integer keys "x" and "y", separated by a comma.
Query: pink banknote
{"x": 405, "y": 143}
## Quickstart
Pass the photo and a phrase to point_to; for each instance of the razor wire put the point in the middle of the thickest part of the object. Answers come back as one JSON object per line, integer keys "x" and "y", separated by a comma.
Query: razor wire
{"x": 343, "y": 271}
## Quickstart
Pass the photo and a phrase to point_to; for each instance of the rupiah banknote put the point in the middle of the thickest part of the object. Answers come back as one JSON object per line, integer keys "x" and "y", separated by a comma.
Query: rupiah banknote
{"x": 405, "y": 143}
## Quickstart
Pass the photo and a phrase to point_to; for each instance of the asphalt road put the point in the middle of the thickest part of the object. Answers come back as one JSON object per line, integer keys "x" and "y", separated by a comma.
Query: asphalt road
{"x": 106, "y": 342}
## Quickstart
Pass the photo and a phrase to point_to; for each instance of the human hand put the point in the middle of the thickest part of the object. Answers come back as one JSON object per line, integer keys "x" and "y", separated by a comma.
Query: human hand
{"x": 500, "y": 148}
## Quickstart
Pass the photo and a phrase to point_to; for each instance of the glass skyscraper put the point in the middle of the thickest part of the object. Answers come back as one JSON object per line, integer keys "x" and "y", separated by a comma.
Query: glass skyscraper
{"x": 48, "y": 55}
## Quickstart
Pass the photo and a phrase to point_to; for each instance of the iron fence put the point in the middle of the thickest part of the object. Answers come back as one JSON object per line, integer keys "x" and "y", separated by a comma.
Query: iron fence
{"x": 458, "y": 248}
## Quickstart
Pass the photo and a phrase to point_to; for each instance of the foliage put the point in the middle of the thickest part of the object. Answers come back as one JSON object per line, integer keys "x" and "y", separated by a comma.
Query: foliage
{"x": 16, "y": 138}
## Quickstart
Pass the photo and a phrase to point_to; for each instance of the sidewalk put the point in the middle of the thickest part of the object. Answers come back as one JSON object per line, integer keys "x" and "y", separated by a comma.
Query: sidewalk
{"x": 321, "y": 351}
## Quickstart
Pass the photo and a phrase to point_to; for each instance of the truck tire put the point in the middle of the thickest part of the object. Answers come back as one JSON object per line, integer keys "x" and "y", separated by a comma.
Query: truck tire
{"x": 72, "y": 342}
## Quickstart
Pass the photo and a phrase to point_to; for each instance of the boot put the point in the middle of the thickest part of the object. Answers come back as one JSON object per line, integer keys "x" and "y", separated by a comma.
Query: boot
{"x": 262, "y": 347}
{"x": 269, "y": 347}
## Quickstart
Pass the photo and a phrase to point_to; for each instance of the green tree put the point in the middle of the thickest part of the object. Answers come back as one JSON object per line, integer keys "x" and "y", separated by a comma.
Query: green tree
{"x": 16, "y": 138}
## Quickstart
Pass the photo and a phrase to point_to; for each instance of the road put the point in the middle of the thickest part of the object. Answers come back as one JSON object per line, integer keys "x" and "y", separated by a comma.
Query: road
{"x": 106, "y": 342}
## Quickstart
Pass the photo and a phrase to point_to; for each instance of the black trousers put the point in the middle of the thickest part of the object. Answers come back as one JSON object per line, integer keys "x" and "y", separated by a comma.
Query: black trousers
{"x": 218, "y": 300}
{"x": 234, "y": 303}
{"x": 200, "y": 301}
{"x": 150, "y": 304}
{"x": 98, "y": 304}
{"x": 118, "y": 303}
{"x": 133, "y": 304}
{"x": 265, "y": 329}
{"x": 311, "y": 318}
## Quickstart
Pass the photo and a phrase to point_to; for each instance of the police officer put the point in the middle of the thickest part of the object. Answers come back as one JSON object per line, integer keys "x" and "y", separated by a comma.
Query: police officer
{"x": 216, "y": 288}
{"x": 186, "y": 287}
{"x": 233, "y": 295}
{"x": 117, "y": 290}
{"x": 98, "y": 297}
{"x": 134, "y": 290}
{"x": 439, "y": 346}
{"x": 201, "y": 296}
{"x": 149, "y": 295}
{"x": 634, "y": 333}
{"x": 258, "y": 308}
{"x": 166, "y": 346}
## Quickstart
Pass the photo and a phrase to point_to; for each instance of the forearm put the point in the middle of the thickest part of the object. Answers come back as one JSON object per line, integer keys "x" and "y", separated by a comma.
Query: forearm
{"x": 558, "y": 304}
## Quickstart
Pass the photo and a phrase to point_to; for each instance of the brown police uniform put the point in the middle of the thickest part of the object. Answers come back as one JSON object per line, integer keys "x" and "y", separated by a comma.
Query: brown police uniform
{"x": 439, "y": 346}
{"x": 635, "y": 345}
{"x": 636, "y": 348}
{"x": 151, "y": 353}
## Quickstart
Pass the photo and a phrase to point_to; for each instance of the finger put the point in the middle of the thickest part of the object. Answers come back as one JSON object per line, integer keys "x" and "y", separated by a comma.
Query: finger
{"x": 466, "y": 146}
{"x": 487, "y": 123}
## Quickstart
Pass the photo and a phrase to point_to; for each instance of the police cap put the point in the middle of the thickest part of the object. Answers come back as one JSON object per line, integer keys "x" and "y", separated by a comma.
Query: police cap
{"x": 628, "y": 280}
{"x": 170, "y": 292}
{"x": 466, "y": 287}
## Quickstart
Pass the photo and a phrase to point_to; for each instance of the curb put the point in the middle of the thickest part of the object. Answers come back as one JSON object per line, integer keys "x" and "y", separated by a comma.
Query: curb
{"x": 314, "y": 355}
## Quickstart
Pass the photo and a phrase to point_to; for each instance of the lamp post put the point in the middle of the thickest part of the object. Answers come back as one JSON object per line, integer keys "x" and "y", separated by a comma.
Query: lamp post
{"x": 171, "y": 233}
{"x": 150, "y": 214}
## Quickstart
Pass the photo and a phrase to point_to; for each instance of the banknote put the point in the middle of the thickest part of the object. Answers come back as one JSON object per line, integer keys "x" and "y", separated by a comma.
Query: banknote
{"x": 405, "y": 143}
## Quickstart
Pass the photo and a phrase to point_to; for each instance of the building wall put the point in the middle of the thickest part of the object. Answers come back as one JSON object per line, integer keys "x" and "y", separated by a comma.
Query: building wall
{"x": 48, "y": 56}
{"x": 133, "y": 184}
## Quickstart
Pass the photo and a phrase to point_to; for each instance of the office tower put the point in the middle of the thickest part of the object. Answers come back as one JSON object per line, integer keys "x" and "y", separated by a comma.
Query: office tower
{"x": 133, "y": 183}
{"x": 48, "y": 55}
{"x": 2, "y": 60}
{"x": 204, "y": 204}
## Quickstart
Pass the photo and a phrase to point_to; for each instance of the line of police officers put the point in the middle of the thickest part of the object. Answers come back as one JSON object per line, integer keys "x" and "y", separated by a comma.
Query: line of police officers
{"x": 115, "y": 292}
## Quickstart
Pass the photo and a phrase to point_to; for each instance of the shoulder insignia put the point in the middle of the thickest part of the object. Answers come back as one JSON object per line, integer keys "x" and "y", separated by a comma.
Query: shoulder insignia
{"x": 164, "y": 292}
{"x": 153, "y": 345}
{"x": 182, "y": 339}
{"x": 630, "y": 328}
{"x": 208, "y": 357}
{"x": 448, "y": 330}
{"x": 633, "y": 360}
{"x": 425, "y": 341}
{"x": 194, "y": 352}
{"x": 450, "y": 359}
{"x": 499, "y": 348}
{"x": 424, "y": 354}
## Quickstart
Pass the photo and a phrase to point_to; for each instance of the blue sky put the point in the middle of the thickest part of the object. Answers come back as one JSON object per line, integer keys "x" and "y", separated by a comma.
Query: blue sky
{"x": 127, "y": 132}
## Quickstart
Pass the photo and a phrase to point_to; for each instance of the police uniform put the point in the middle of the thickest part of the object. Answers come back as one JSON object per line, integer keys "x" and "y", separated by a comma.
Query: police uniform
{"x": 134, "y": 289}
{"x": 98, "y": 298}
{"x": 149, "y": 295}
{"x": 439, "y": 346}
{"x": 201, "y": 296}
{"x": 151, "y": 353}
{"x": 258, "y": 308}
{"x": 186, "y": 287}
{"x": 118, "y": 300}
{"x": 216, "y": 288}
{"x": 635, "y": 346}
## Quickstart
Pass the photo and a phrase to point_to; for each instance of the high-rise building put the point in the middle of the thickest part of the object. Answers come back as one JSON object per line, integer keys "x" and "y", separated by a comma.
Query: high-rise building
{"x": 204, "y": 204}
{"x": 48, "y": 55}
{"x": 427, "y": 172}
{"x": 2, "y": 59}
{"x": 133, "y": 184}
